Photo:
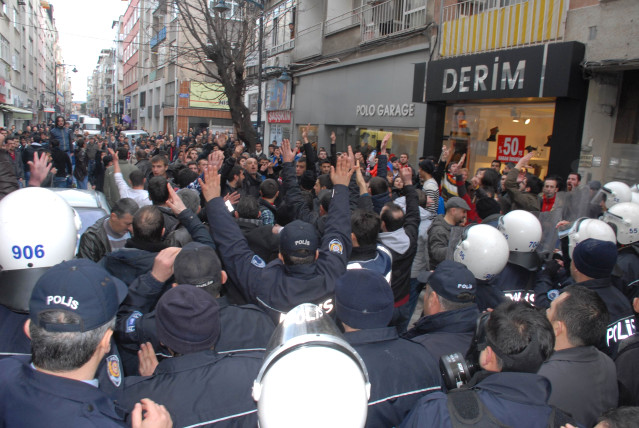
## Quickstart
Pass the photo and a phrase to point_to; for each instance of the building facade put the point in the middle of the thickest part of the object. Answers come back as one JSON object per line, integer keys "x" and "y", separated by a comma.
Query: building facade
{"x": 30, "y": 70}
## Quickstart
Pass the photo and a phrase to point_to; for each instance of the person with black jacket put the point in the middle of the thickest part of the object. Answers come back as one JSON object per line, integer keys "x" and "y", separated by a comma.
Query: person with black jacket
{"x": 62, "y": 164}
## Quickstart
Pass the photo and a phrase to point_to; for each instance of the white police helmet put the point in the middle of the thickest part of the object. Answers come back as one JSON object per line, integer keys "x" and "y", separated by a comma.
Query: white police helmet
{"x": 624, "y": 219}
{"x": 522, "y": 231}
{"x": 483, "y": 250}
{"x": 39, "y": 230}
{"x": 616, "y": 192}
{"x": 310, "y": 370}
{"x": 585, "y": 228}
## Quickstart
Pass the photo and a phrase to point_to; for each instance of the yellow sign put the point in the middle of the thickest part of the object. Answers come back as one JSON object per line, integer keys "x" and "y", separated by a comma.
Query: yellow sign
{"x": 371, "y": 136}
{"x": 208, "y": 95}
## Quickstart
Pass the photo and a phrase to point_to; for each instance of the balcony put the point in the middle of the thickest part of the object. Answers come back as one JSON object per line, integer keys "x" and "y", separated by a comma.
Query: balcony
{"x": 474, "y": 26}
{"x": 381, "y": 19}
{"x": 391, "y": 18}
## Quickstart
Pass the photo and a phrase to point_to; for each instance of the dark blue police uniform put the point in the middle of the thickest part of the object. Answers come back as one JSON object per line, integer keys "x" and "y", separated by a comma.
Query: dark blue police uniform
{"x": 515, "y": 399}
{"x": 400, "y": 372}
{"x": 242, "y": 327}
{"x": 446, "y": 332}
{"x": 29, "y": 398}
{"x": 277, "y": 288}
{"x": 203, "y": 388}
{"x": 13, "y": 342}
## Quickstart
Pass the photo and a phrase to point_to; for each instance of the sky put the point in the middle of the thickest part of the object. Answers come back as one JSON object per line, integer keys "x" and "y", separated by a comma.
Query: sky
{"x": 84, "y": 29}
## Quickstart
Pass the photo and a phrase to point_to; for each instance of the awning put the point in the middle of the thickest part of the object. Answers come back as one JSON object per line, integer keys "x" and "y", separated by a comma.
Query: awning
{"x": 18, "y": 113}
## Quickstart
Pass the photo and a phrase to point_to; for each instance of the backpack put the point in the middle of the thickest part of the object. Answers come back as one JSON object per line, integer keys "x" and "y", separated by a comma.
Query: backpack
{"x": 467, "y": 410}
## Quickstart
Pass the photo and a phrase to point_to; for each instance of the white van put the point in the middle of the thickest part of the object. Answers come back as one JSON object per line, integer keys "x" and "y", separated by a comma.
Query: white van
{"x": 91, "y": 125}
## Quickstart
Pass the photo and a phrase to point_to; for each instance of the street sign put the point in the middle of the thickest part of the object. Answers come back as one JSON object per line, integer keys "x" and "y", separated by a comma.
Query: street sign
{"x": 510, "y": 148}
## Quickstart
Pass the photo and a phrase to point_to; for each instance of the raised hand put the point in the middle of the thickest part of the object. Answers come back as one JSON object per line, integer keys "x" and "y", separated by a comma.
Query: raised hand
{"x": 343, "y": 172}
{"x": 288, "y": 155}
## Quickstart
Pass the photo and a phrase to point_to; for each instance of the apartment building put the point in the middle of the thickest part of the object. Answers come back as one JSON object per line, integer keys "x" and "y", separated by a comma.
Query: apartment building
{"x": 352, "y": 65}
{"x": 29, "y": 53}
{"x": 550, "y": 75}
{"x": 158, "y": 92}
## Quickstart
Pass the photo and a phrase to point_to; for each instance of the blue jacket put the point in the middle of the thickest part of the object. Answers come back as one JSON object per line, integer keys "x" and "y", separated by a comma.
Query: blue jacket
{"x": 64, "y": 136}
{"x": 445, "y": 332}
{"x": 29, "y": 398}
{"x": 400, "y": 373}
{"x": 515, "y": 399}
{"x": 202, "y": 388}
{"x": 277, "y": 288}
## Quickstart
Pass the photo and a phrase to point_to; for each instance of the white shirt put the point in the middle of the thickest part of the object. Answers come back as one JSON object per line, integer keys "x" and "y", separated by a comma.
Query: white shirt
{"x": 140, "y": 196}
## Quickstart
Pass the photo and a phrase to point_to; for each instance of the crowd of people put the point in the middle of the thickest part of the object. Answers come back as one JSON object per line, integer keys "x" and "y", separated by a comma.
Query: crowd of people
{"x": 295, "y": 285}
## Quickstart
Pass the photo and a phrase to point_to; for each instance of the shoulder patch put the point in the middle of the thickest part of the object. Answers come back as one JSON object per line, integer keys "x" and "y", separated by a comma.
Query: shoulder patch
{"x": 113, "y": 370}
{"x": 552, "y": 294}
{"x": 336, "y": 246}
{"x": 258, "y": 262}
{"x": 130, "y": 322}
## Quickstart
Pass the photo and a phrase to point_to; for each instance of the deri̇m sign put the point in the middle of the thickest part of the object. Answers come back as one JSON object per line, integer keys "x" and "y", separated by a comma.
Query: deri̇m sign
{"x": 535, "y": 72}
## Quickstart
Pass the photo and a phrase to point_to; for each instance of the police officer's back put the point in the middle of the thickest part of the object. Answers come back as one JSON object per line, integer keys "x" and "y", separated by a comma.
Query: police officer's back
{"x": 400, "y": 371}
{"x": 307, "y": 266}
{"x": 197, "y": 385}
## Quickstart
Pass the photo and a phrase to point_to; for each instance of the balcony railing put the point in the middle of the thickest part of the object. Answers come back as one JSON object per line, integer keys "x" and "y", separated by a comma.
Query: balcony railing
{"x": 391, "y": 18}
{"x": 381, "y": 19}
{"x": 474, "y": 26}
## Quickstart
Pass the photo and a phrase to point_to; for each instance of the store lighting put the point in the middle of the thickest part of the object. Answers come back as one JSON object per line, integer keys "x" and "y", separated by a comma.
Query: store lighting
{"x": 527, "y": 121}
{"x": 516, "y": 115}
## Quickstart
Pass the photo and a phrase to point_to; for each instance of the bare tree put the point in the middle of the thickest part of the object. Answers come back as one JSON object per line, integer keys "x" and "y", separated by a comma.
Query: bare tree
{"x": 217, "y": 46}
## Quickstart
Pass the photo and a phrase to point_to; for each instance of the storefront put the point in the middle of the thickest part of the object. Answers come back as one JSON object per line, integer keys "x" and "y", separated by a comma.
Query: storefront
{"x": 501, "y": 104}
{"x": 361, "y": 101}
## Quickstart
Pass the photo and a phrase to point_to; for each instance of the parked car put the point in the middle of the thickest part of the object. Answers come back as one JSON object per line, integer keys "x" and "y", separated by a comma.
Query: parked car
{"x": 90, "y": 205}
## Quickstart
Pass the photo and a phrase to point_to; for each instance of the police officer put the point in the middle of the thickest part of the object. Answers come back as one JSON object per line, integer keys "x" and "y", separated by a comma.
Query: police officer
{"x": 307, "y": 266}
{"x": 28, "y": 248}
{"x": 624, "y": 219}
{"x": 484, "y": 251}
{"x": 198, "y": 386}
{"x": 522, "y": 231}
{"x": 243, "y": 327}
{"x": 450, "y": 311}
{"x": 400, "y": 371}
{"x": 72, "y": 314}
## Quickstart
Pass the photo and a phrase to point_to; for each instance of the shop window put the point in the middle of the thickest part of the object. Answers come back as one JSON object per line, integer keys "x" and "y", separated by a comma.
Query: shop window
{"x": 500, "y": 131}
{"x": 627, "y": 126}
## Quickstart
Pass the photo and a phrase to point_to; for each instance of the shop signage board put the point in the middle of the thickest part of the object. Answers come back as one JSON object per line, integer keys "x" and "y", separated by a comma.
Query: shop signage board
{"x": 510, "y": 148}
{"x": 530, "y": 72}
{"x": 279, "y": 116}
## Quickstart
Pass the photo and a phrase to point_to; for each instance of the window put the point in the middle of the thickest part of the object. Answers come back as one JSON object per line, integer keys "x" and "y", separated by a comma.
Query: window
{"x": 4, "y": 50}
{"x": 143, "y": 99}
{"x": 15, "y": 61}
{"x": 15, "y": 19}
{"x": 169, "y": 94}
